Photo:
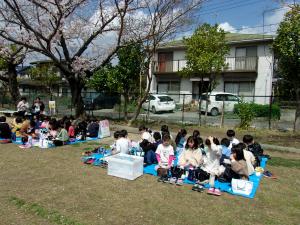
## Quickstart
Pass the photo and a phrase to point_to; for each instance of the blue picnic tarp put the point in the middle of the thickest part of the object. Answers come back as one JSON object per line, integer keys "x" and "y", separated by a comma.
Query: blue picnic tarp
{"x": 18, "y": 141}
{"x": 225, "y": 187}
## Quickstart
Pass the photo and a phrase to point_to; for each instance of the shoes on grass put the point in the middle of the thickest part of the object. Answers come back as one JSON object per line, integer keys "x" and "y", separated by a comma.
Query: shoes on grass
{"x": 179, "y": 182}
{"x": 173, "y": 180}
{"x": 163, "y": 179}
{"x": 214, "y": 191}
{"x": 198, "y": 187}
{"x": 268, "y": 174}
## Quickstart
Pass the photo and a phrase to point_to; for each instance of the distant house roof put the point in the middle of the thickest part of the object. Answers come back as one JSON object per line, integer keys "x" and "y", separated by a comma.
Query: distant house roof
{"x": 22, "y": 70}
{"x": 231, "y": 38}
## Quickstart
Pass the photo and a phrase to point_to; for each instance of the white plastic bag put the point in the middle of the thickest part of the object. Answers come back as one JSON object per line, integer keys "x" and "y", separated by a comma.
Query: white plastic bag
{"x": 241, "y": 186}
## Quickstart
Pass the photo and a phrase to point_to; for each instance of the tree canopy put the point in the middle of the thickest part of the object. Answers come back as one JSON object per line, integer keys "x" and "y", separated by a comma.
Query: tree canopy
{"x": 206, "y": 51}
{"x": 287, "y": 47}
{"x": 82, "y": 36}
{"x": 287, "y": 52}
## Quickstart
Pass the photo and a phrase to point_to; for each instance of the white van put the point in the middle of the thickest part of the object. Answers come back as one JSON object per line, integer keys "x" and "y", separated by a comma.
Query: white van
{"x": 215, "y": 102}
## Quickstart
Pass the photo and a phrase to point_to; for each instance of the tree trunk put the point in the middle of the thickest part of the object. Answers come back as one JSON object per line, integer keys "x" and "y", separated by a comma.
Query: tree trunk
{"x": 143, "y": 98}
{"x": 222, "y": 115}
{"x": 297, "y": 114}
{"x": 207, "y": 99}
{"x": 76, "y": 87}
{"x": 200, "y": 99}
{"x": 137, "y": 112}
{"x": 13, "y": 84}
{"x": 126, "y": 100}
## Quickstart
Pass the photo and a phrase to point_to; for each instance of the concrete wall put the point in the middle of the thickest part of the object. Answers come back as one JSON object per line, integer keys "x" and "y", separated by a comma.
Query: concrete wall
{"x": 220, "y": 84}
{"x": 186, "y": 87}
{"x": 263, "y": 83}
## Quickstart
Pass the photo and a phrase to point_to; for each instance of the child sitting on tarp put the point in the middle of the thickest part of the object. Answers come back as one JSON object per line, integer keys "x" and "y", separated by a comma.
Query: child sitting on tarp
{"x": 165, "y": 156}
{"x": 196, "y": 136}
{"x": 45, "y": 123}
{"x": 180, "y": 141}
{"x": 16, "y": 127}
{"x": 145, "y": 134}
{"x": 70, "y": 129}
{"x": 226, "y": 152}
{"x": 29, "y": 134}
{"x": 150, "y": 148}
{"x": 93, "y": 128}
{"x": 53, "y": 129}
{"x": 231, "y": 136}
{"x": 253, "y": 147}
{"x": 238, "y": 162}
{"x": 113, "y": 145}
{"x": 122, "y": 143}
{"x": 211, "y": 165}
{"x": 249, "y": 157}
{"x": 236, "y": 167}
{"x": 62, "y": 137}
{"x": 5, "y": 131}
{"x": 38, "y": 121}
{"x": 31, "y": 131}
{"x": 80, "y": 130}
{"x": 189, "y": 160}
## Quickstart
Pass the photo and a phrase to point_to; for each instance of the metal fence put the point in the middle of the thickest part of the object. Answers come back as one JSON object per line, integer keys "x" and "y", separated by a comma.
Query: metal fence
{"x": 187, "y": 108}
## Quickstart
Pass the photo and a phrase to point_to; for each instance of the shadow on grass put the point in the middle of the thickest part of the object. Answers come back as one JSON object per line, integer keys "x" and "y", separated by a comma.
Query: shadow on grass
{"x": 50, "y": 215}
{"x": 278, "y": 161}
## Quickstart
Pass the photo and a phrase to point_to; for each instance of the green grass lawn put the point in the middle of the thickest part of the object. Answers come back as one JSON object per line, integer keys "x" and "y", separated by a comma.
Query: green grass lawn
{"x": 54, "y": 187}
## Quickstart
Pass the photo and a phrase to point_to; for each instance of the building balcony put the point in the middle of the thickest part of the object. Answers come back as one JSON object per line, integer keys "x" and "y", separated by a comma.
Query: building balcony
{"x": 234, "y": 64}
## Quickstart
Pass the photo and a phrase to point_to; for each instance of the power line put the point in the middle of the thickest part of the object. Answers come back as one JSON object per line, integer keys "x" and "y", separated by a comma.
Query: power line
{"x": 217, "y": 9}
{"x": 209, "y": 7}
{"x": 245, "y": 28}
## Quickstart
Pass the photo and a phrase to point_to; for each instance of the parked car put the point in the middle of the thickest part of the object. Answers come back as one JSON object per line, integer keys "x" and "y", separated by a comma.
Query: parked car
{"x": 159, "y": 103}
{"x": 101, "y": 101}
{"x": 215, "y": 102}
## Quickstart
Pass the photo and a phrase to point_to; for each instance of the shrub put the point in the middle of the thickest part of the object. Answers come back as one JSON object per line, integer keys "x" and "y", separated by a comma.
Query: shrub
{"x": 245, "y": 112}
{"x": 262, "y": 110}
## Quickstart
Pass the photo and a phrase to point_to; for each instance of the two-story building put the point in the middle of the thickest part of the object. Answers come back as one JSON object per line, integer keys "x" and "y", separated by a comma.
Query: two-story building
{"x": 249, "y": 72}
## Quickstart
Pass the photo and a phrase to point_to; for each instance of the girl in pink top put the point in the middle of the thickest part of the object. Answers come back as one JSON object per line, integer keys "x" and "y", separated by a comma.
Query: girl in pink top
{"x": 45, "y": 123}
{"x": 70, "y": 129}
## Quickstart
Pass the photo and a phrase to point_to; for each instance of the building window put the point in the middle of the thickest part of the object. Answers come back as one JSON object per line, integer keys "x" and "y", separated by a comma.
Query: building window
{"x": 168, "y": 87}
{"x": 243, "y": 89}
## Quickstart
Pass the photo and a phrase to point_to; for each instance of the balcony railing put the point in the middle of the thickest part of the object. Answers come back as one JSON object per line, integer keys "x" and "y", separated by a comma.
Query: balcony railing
{"x": 246, "y": 64}
{"x": 241, "y": 64}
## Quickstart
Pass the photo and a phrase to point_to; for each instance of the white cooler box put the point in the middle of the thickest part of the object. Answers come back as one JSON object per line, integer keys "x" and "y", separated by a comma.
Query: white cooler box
{"x": 125, "y": 166}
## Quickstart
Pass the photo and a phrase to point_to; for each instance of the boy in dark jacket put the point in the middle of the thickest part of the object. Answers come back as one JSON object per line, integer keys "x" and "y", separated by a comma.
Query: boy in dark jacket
{"x": 254, "y": 147}
{"x": 93, "y": 128}
{"x": 150, "y": 148}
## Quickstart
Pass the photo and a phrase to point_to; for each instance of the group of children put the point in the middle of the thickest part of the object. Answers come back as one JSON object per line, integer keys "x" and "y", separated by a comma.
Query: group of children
{"x": 192, "y": 158}
{"x": 43, "y": 127}
{"x": 183, "y": 157}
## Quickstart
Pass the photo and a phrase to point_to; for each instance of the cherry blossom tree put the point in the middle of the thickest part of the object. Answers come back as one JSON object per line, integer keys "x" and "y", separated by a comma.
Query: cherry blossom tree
{"x": 81, "y": 36}
{"x": 10, "y": 57}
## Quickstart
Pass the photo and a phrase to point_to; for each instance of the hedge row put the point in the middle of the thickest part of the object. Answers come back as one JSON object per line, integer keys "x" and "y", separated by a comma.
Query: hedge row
{"x": 262, "y": 110}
